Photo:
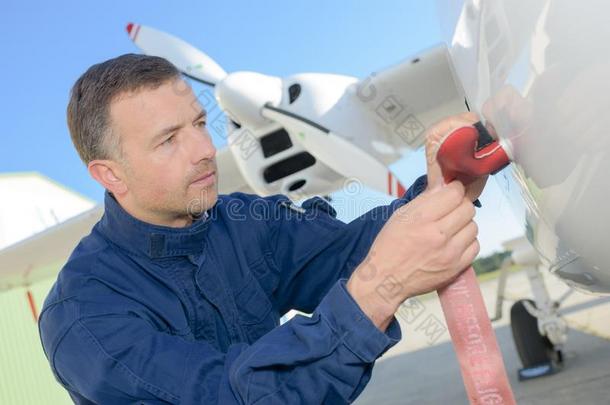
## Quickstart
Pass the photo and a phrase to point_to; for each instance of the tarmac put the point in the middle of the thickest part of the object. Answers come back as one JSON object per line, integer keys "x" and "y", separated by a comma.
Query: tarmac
{"x": 423, "y": 369}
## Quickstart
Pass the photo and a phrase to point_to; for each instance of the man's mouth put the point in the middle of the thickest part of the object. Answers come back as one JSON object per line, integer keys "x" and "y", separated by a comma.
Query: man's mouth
{"x": 207, "y": 179}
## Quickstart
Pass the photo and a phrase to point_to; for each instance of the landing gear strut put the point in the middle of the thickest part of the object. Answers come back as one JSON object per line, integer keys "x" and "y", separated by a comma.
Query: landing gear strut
{"x": 538, "y": 330}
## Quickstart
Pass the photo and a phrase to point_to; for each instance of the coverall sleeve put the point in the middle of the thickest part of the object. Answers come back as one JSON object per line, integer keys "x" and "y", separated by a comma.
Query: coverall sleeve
{"x": 314, "y": 250}
{"x": 122, "y": 358}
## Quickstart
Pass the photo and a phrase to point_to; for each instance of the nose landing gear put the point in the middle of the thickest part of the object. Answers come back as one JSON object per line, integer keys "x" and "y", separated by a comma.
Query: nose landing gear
{"x": 538, "y": 354}
{"x": 538, "y": 330}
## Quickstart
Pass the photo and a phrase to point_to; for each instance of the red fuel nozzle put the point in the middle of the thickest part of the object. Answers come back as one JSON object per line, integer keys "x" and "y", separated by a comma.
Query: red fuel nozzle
{"x": 470, "y": 152}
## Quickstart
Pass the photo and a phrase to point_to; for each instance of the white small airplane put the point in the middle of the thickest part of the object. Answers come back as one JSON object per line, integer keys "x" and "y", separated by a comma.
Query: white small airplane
{"x": 536, "y": 70}
{"x": 311, "y": 132}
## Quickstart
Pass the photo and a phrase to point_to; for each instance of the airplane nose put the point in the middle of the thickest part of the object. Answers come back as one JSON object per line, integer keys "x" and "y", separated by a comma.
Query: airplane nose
{"x": 243, "y": 94}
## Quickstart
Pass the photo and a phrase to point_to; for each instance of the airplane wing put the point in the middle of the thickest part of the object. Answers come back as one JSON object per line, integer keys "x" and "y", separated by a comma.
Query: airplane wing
{"x": 407, "y": 98}
{"x": 41, "y": 256}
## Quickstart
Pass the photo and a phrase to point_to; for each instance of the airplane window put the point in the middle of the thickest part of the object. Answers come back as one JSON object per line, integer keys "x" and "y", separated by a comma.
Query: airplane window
{"x": 294, "y": 91}
{"x": 275, "y": 142}
{"x": 288, "y": 166}
{"x": 297, "y": 185}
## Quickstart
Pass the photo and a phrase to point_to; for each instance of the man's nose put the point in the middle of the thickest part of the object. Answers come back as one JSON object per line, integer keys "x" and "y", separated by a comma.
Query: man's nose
{"x": 201, "y": 146}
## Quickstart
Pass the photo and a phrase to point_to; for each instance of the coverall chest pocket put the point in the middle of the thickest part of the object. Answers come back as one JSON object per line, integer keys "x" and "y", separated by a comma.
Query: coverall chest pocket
{"x": 254, "y": 309}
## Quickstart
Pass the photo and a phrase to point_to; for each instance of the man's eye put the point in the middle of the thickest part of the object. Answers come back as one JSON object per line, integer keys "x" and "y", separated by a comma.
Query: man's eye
{"x": 201, "y": 123}
{"x": 168, "y": 140}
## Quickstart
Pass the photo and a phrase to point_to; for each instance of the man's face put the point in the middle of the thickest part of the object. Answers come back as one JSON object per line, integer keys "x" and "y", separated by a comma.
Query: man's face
{"x": 167, "y": 153}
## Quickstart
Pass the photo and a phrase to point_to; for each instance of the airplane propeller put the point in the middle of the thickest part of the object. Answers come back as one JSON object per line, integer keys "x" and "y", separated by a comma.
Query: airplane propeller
{"x": 188, "y": 59}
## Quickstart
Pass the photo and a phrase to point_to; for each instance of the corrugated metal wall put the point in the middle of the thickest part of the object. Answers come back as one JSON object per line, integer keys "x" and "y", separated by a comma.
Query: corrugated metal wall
{"x": 25, "y": 376}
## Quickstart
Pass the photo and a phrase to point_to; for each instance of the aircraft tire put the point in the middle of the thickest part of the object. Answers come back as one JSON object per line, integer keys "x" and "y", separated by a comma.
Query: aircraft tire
{"x": 532, "y": 347}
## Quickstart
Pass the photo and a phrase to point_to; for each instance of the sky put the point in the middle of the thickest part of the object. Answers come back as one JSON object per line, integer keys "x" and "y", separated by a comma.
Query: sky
{"x": 45, "y": 46}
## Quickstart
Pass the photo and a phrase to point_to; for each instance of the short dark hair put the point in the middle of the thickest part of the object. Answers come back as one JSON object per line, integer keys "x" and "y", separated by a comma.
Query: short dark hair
{"x": 90, "y": 98}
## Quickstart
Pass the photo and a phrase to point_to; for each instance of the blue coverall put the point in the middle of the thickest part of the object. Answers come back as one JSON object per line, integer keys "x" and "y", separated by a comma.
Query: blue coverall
{"x": 150, "y": 314}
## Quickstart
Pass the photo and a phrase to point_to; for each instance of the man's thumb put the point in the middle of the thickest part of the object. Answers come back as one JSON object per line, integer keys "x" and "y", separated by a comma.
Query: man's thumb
{"x": 435, "y": 175}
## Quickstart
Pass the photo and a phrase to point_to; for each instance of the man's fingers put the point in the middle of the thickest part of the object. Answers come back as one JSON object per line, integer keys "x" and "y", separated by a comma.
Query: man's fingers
{"x": 468, "y": 256}
{"x": 438, "y": 203}
{"x": 454, "y": 221}
{"x": 464, "y": 237}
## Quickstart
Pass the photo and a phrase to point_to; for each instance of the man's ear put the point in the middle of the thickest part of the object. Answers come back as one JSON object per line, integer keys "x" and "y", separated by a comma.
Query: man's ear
{"x": 109, "y": 174}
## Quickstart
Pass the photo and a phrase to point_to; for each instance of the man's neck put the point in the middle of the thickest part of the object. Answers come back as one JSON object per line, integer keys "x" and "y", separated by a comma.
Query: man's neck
{"x": 153, "y": 218}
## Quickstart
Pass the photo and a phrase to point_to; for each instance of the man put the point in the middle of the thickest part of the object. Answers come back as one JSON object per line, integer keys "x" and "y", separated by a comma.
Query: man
{"x": 176, "y": 295}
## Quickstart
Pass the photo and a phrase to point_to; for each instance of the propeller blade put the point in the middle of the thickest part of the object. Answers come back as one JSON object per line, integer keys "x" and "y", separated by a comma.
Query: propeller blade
{"x": 188, "y": 59}
{"x": 336, "y": 152}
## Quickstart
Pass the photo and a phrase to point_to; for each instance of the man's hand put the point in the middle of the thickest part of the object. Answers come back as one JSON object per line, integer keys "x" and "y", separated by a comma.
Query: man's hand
{"x": 424, "y": 245}
{"x": 435, "y": 136}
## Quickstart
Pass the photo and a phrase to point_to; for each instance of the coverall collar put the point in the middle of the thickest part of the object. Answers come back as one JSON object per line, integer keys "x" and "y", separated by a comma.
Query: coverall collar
{"x": 153, "y": 241}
